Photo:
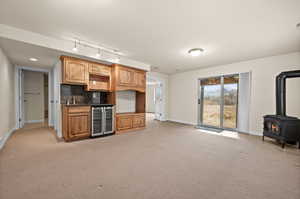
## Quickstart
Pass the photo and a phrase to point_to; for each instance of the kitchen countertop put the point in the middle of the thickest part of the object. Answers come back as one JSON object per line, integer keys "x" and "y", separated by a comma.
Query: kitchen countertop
{"x": 87, "y": 104}
{"x": 130, "y": 113}
{"x": 76, "y": 104}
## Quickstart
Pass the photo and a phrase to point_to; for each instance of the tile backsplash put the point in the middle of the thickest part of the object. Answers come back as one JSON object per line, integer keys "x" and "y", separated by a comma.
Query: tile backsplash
{"x": 71, "y": 92}
{"x": 126, "y": 102}
{"x": 77, "y": 93}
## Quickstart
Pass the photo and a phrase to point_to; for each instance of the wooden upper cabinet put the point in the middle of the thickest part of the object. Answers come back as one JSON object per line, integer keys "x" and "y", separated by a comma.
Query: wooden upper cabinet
{"x": 98, "y": 69}
{"x": 99, "y": 77}
{"x": 125, "y": 77}
{"x": 140, "y": 79}
{"x": 129, "y": 79}
{"x": 74, "y": 71}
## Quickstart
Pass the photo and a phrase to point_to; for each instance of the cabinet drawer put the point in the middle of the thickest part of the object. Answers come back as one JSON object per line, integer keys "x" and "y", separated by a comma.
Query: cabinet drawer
{"x": 99, "y": 70}
{"x": 79, "y": 109}
{"x": 138, "y": 121}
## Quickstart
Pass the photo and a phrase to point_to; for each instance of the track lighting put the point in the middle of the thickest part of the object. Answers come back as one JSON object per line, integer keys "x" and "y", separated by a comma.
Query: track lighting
{"x": 118, "y": 58}
{"x": 98, "y": 53}
{"x": 75, "y": 46}
{"x": 101, "y": 52}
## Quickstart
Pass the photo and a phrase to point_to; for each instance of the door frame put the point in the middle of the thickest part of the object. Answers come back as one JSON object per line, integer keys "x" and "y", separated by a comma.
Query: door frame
{"x": 19, "y": 88}
{"x": 158, "y": 105}
{"x": 200, "y": 104}
{"x": 162, "y": 81}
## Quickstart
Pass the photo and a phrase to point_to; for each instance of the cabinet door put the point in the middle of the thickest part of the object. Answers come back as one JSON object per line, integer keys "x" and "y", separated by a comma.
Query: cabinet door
{"x": 124, "y": 122}
{"x": 125, "y": 77}
{"x": 138, "y": 121}
{"x": 75, "y": 71}
{"x": 79, "y": 125}
{"x": 140, "y": 79}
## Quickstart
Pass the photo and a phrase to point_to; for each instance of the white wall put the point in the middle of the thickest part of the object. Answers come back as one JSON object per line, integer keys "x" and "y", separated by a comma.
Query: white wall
{"x": 7, "y": 93}
{"x": 34, "y": 96}
{"x": 244, "y": 96}
{"x": 126, "y": 101}
{"x": 57, "y": 116}
{"x": 183, "y": 88}
{"x": 150, "y": 105}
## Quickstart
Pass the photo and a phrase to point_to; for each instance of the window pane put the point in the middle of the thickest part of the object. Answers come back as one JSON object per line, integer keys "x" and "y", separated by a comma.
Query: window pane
{"x": 230, "y": 101}
{"x": 211, "y": 102}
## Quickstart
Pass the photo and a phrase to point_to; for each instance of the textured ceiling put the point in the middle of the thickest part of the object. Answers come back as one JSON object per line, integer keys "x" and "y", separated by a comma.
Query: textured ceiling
{"x": 161, "y": 32}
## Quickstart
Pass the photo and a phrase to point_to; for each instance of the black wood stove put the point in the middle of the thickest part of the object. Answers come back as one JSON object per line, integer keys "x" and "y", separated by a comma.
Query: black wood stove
{"x": 281, "y": 127}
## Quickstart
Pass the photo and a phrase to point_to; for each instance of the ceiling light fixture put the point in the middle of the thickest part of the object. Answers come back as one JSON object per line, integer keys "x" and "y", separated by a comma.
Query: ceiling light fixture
{"x": 108, "y": 54}
{"x": 75, "y": 49}
{"x": 196, "y": 51}
{"x": 33, "y": 59}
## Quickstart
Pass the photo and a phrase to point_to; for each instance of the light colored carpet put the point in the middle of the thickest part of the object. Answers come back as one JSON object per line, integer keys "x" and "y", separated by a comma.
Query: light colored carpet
{"x": 165, "y": 161}
{"x": 35, "y": 125}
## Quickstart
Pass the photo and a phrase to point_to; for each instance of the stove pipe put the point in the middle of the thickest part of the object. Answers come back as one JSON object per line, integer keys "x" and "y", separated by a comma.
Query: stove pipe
{"x": 281, "y": 90}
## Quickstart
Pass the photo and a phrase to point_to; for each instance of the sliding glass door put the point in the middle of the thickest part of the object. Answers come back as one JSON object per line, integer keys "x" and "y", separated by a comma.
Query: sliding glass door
{"x": 211, "y": 102}
{"x": 230, "y": 101}
{"x": 218, "y": 100}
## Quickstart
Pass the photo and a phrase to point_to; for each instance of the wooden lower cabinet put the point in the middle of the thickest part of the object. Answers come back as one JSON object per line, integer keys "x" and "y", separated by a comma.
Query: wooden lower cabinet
{"x": 129, "y": 121}
{"x": 124, "y": 122}
{"x": 138, "y": 121}
{"x": 76, "y": 122}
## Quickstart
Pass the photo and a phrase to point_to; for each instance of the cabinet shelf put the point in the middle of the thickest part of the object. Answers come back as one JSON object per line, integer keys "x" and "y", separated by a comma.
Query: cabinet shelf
{"x": 97, "y": 82}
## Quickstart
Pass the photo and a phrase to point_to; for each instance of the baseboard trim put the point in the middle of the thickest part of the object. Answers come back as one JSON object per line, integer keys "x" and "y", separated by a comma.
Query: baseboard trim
{"x": 182, "y": 122}
{"x": 5, "y": 137}
{"x": 34, "y": 121}
{"x": 194, "y": 124}
{"x": 255, "y": 133}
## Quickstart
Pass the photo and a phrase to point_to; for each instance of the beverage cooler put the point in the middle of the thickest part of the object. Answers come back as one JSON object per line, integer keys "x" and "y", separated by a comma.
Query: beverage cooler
{"x": 103, "y": 120}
